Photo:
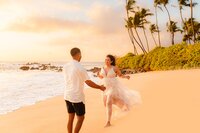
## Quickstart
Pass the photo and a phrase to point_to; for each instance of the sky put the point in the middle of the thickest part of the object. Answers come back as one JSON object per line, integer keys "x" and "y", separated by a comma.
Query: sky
{"x": 35, "y": 30}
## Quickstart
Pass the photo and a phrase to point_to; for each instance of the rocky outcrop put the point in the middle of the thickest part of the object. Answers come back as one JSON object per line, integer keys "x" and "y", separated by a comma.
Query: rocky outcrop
{"x": 50, "y": 67}
{"x": 95, "y": 70}
{"x": 24, "y": 68}
{"x": 132, "y": 71}
{"x": 124, "y": 71}
{"x": 41, "y": 67}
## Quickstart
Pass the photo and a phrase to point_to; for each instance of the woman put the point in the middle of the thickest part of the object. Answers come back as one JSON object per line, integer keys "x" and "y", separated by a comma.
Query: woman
{"x": 115, "y": 93}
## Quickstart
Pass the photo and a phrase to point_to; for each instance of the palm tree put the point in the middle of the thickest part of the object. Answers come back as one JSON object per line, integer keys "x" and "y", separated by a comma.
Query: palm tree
{"x": 143, "y": 14}
{"x": 130, "y": 24}
{"x": 156, "y": 5}
{"x": 164, "y": 3}
{"x": 186, "y": 27}
{"x": 198, "y": 32}
{"x": 190, "y": 30}
{"x": 185, "y": 3}
{"x": 181, "y": 4}
{"x": 187, "y": 38}
{"x": 196, "y": 28}
{"x": 172, "y": 28}
{"x": 137, "y": 23}
{"x": 129, "y": 6}
{"x": 198, "y": 38}
{"x": 153, "y": 28}
{"x": 191, "y": 8}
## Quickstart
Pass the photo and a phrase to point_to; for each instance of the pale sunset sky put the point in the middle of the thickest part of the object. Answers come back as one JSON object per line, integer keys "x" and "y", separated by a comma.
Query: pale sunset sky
{"x": 46, "y": 30}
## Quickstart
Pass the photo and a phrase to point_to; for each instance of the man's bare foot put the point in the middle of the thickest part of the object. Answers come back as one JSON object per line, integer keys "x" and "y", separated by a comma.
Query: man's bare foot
{"x": 107, "y": 124}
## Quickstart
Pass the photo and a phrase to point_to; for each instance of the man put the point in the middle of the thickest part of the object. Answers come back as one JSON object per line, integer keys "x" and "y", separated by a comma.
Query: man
{"x": 75, "y": 77}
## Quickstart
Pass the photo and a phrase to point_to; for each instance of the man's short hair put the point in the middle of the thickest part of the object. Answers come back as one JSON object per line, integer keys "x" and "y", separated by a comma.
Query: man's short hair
{"x": 75, "y": 51}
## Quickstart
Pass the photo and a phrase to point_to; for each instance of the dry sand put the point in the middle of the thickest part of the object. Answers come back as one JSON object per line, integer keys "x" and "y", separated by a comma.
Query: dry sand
{"x": 171, "y": 104}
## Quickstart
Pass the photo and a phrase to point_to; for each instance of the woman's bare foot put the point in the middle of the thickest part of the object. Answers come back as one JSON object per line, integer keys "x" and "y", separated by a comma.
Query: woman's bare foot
{"x": 107, "y": 124}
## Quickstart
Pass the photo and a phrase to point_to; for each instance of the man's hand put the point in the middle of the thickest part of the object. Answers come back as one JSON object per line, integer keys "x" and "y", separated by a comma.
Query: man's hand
{"x": 94, "y": 85}
{"x": 103, "y": 88}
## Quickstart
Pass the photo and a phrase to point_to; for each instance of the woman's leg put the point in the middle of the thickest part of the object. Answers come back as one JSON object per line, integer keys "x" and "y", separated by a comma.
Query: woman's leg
{"x": 109, "y": 103}
{"x": 121, "y": 104}
{"x": 104, "y": 100}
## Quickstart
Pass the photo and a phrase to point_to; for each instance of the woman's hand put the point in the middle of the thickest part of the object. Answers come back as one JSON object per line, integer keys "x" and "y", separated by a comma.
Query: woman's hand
{"x": 119, "y": 73}
{"x": 98, "y": 75}
{"x": 128, "y": 77}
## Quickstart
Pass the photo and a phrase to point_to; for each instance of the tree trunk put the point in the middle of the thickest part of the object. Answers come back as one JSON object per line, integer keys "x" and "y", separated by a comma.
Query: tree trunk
{"x": 183, "y": 22}
{"x": 191, "y": 7}
{"x": 181, "y": 14}
{"x": 159, "y": 42}
{"x": 169, "y": 23}
{"x": 143, "y": 50}
{"x": 139, "y": 39}
{"x": 154, "y": 39}
{"x": 146, "y": 39}
{"x": 130, "y": 33}
{"x": 189, "y": 41}
{"x": 132, "y": 41}
{"x": 168, "y": 13}
{"x": 172, "y": 38}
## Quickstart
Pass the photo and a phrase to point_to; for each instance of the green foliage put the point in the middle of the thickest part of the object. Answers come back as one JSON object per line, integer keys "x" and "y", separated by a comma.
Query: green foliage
{"x": 123, "y": 62}
{"x": 179, "y": 56}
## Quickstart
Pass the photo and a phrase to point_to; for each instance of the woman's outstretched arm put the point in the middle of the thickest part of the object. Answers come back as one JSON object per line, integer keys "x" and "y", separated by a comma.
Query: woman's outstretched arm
{"x": 119, "y": 73}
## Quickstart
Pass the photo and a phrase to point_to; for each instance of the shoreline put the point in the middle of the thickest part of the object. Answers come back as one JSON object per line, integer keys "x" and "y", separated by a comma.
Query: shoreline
{"x": 171, "y": 103}
{"x": 37, "y": 102}
{"x": 60, "y": 95}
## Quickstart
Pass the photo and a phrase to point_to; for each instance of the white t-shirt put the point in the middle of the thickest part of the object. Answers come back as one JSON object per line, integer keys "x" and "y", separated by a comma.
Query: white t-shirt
{"x": 75, "y": 77}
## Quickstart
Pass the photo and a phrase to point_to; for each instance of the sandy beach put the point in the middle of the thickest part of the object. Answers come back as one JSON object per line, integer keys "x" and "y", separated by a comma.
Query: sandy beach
{"x": 171, "y": 104}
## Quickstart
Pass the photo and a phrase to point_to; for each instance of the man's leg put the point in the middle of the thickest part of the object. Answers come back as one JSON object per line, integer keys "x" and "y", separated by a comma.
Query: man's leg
{"x": 80, "y": 113}
{"x": 70, "y": 122}
{"x": 79, "y": 123}
{"x": 71, "y": 113}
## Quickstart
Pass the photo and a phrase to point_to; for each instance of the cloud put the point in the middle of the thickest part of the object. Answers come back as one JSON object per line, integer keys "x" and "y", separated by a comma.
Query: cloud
{"x": 99, "y": 19}
{"x": 3, "y": 2}
{"x": 64, "y": 6}
{"x": 98, "y": 29}
{"x": 45, "y": 8}
{"x": 53, "y": 4}
{"x": 44, "y": 24}
{"x": 106, "y": 19}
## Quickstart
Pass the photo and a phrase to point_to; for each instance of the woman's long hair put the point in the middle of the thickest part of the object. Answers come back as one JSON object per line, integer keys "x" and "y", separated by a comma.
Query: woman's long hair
{"x": 112, "y": 58}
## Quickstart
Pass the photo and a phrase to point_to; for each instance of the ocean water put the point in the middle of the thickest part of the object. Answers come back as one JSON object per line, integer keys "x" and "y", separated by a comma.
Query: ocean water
{"x": 22, "y": 88}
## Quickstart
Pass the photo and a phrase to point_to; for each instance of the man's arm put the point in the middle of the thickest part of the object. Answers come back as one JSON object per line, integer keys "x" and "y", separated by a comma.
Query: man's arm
{"x": 94, "y": 85}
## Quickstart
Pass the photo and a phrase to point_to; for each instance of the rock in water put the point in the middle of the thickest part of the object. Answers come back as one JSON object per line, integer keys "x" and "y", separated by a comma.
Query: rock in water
{"x": 25, "y": 68}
